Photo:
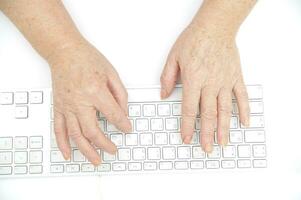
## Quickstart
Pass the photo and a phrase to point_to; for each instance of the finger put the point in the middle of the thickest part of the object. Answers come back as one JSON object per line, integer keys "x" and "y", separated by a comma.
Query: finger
{"x": 61, "y": 135}
{"x": 224, "y": 109}
{"x": 191, "y": 97}
{"x": 208, "y": 116}
{"x": 106, "y": 104}
{"x": 81, "y": 142}
{"x": 119, "y": 91}
{"x": 241, "y": 94}
{"x": 91, "y": 130}
{"x": 169, "y": 77}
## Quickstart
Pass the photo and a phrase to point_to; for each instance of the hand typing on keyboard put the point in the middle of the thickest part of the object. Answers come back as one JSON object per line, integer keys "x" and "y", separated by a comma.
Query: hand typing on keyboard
{"x": 206, "y": 57}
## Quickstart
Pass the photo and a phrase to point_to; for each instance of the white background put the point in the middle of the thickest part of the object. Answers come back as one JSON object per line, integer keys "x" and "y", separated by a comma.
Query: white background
{"x": 136, "y": 35}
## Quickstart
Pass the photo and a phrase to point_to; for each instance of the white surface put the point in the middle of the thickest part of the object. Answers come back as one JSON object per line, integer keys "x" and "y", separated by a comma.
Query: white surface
{"x": 136, "y": 35}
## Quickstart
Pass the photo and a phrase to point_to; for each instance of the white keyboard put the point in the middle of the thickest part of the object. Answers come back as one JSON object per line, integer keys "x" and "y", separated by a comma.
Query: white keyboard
{"x": 28, "y": 146}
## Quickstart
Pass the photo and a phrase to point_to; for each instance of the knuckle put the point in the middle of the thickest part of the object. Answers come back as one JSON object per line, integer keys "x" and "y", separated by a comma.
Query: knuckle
{"x": 209, "y": 114}
{"x": 115, "y": 117}
{"x": 74, "y": 135}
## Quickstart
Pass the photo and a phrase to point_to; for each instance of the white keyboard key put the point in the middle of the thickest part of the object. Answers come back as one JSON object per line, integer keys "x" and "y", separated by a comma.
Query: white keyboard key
{"x": 229, "y": 151}
{"x": 228, "y": 164}
{"x": 168, "y": 153}
{"x": 254, "y": 136}
{"x": 117, "y": 139}
{"x": 256, "y": 121}
{"x": 236, "y": 137}
{"x": 108, "y": 157}
{"x": 35, "y": 169}
{"x": 20, "y": 157}
{"x": 256, "y": 107}
{"x": 146, "y": 139}
{"x": 197, "y": 152}
{"x": 36, "y": 97}
{"x": 195, "y": 138}
{"x": 6, "y": 143}
{"x": 234, "y": 123}
{"x": 57, "y": 168}
{"x": 5, "y": 170}
{"x": 259, "y": 151}
{"x": 5, "y": 158}
{"x": 135, "y": 166}
{"x": 161, "y": 138}
{"x": 134, "y": 110}
{"x": 57, "y": 157}
{"x": 20, "y": 142}
{"x": 21, "y": 112}
{"x": 21, "y": 97}
{"x": 176, "y": 109}
{"x": 171, "y": 124}
{"x": 72, "y": 168}
{"x": 35, "y": 156}
{"x": 149, "y": 110}
{"x": 6, "y": 98}
{"x": 36, "y": 142}
{"x": 243, "y": 163}
{"x": 259, "y": 163}
{"x": 20, "y": 170}
{"x": 175, "y": 138}
{"x": 163, "y": 110}
{"x": 124, "y": 154}
{"x": 111, "y": 127}
{"x": 244, "y": 151}
{"x": 216, "y": 152}
{"x": 141, "y": 124}
{"x": 197, "y": 164}
{"x": 131, "y": 139}
{"x": 212, "y": 164}
{"x": 139, "y": 153}
{"x": 87, "y": 167}
{"x": 154, "y": 153}
{"x": 184, "y": 152}
{"x": 181, "y": 165}
{"x": 119, "y": 167}
{"x": 254, "y": 91}
{"x": 157, "y": 124}
{"x": 165, "y": 165}
{"x": 104, "y": 167}
{"x": 78, "y": 156}
{"x": 149, "y": 165}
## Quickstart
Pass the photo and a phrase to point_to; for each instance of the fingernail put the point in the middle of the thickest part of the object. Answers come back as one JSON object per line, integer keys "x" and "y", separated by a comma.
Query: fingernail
{"x": 208, "y": 148}
{"x": 163, "y": 93}
{"x": 187, "y": 139}
{"x": 247, "y": 122}
{"x": 224, "y": 141}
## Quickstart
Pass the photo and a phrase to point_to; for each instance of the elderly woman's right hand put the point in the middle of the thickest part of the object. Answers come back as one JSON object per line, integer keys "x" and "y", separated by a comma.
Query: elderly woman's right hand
{"x": 84, "y": 82}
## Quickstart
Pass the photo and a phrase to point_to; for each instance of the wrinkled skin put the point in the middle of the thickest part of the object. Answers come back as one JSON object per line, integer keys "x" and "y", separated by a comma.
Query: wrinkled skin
{"x": 84, "y": 82}
{"x": 209, "y": 66}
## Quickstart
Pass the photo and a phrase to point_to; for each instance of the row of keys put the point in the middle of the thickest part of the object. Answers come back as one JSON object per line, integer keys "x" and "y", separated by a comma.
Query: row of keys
{"x": 21, "y": 142}
{"x": 20, "y": 157}
{"x": 9, "y": 98}
{"x": 21, "y": 169}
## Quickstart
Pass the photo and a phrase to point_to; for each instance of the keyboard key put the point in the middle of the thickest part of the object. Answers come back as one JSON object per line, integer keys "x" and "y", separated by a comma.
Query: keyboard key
{"x": 256, "y": 107}
{"x": 21, "y": 112}
{"x": 104, "y": 167}
{"x": 6, "y": 143}
{"x": 119, "y": 167}
{"x": 161, "y": 138}
{"x": 175, "y": 138}
{"x": 244, "y": 151}
{"x": 21, "y": 157}
{"x": 229, "y": 151}
{"x": 117, "y": 139}
{"x": 157, "y": 124}
{"x": 35, "y": 169}
{"x": 36, "y": 142}
{"x": 176, "y": 109}
{"x": 36, "y": 97}
{"x": 256, "y": 121}
{"x": 254, "y": 136}
{"x": 6, "y": 98}
{"x": 20, "y": 170}
{"x": 197, "y": 164}
{"x": 169, "y": 153}
{"x": 111, "y": 127}
{"x": 102, "y": 125}
{"x": 154, "y": 153}
{"x": 5, "y": 158}
{"x": 141, "y": 124}
{"x": 236, "y": 137}
{"x": 146, "y": 139}
{"x": 163, "y": 110}
{"x": 139, "y": 153}
{"x": 197, "y": 124}
{"x": 184, "y": 152}
{"x": 87, "y": 167}
{"x": 21, "y": 98}
{"x": 149, "y": 165}
{"x": 20, "y": 142}
{"x": 212, "y": 164}
{"x": 233, "y": 123}
{"x": 35, "y": 156}
{"x": 108, "y": 157}
{"x": 131, "y": 139}
{"x": 149, "y": 110}
{"x": 72, "y": 168}
{"x": 228, "y": 164}
{"x": 78, "y": 156}
{"x": 260, "y": 163}
{"x": 56, "y": 168}
{"x": 181, "y": 165}
{"x": 254, "y": 91}
{"x": 165, "y": 165}
{"x": 171, "y": 124}
{"x": 57, "y": 157}
{"x": 134, "y": 110}
{"x": 124, "y": 154}
{"x": 243, "y": 163}
{"x": 135, "y": 166}
{"x": 5, "y": 170}
{"x": 197, "y": 152}
{"x": 259, "y": 151}
{"x": 216, "y": 152}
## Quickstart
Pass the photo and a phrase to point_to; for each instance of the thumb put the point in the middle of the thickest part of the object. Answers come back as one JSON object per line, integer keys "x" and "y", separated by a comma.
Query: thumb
{"x": 169, "y": 77}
